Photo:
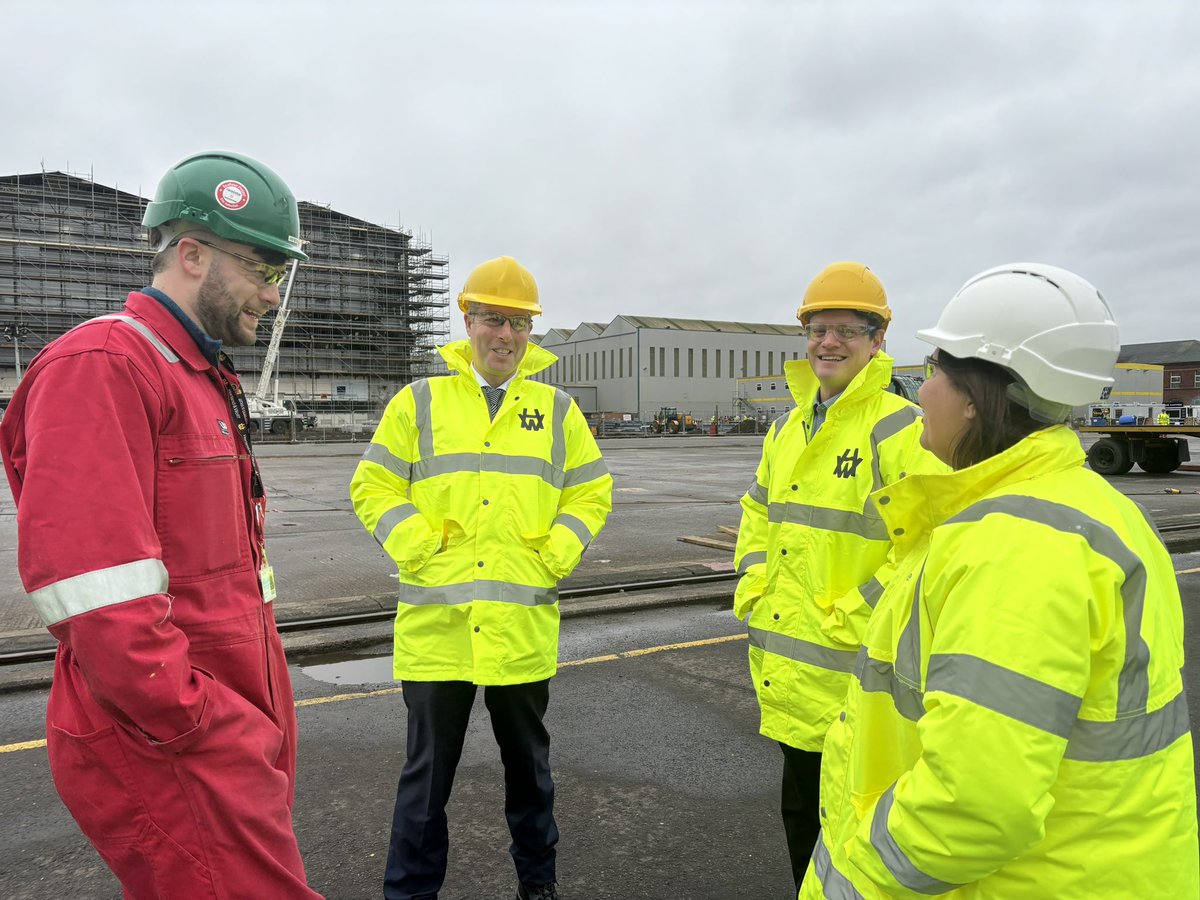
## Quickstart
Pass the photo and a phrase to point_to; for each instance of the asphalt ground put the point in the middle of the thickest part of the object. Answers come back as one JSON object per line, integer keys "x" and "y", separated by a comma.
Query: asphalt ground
{"x": 665, "y": 488}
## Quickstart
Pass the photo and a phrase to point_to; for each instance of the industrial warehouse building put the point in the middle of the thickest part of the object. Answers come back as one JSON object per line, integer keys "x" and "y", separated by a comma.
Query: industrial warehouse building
{"x": 635, "y": 365}
{"x": 366, "y": 312}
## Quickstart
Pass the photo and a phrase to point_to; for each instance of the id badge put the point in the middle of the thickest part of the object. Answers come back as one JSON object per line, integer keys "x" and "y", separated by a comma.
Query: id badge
{"x": 266, "y": 578}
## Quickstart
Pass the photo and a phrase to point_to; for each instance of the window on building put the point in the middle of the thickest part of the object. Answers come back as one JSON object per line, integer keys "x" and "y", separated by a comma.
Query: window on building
{"x": 772, "y": 385}
{"x": 717, "y": 360}
{"x": 758, "y": 387}
{"x": 771, "y": 363}
{"x": 603, "y": 366}
{"x": 1196, "y": 381}
{"x": 795, "y": 354}
{"x": 676, "y": 354}
{"x": 587, "y": 368}
{"x": 744, "y": 370}
{"x": 631, "y": 369}
{"x": 1176, "y": 381}
{"x": 703, "y": 363}
{"x": 612, "y": 363}
{"x": 662, "y": 362}
{"x": 757, "y": 363}
{"x": 621, "y": 362}
{"x": 691, "y": 363}
{"x": 651, "y": 361}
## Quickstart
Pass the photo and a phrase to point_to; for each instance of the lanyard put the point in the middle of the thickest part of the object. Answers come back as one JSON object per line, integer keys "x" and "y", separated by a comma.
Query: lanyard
{"x": 239, "y": 410}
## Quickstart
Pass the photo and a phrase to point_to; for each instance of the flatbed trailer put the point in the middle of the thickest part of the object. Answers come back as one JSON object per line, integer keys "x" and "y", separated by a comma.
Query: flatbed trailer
{"x": 1156, "y": 449}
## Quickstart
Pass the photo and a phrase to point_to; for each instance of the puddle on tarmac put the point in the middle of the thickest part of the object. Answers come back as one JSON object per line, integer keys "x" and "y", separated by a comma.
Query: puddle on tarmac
{"x": 376, "y": 670}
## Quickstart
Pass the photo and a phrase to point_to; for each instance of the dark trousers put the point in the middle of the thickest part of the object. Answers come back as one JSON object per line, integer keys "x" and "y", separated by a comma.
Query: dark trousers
{"x": 438, "y": 712}
{"x": 799, "y": 804}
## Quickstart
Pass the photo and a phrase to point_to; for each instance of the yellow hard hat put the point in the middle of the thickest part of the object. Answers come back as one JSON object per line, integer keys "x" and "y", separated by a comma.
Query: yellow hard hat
{"x": 845, "y": 285}
{"x": 501, "y": 282}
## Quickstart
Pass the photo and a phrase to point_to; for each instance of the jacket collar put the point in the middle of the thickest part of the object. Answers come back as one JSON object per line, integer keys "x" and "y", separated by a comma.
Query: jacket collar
{"x": 919, "y": 503}
{"x": 169, "y": 327}
{"x": 457, "y": 355}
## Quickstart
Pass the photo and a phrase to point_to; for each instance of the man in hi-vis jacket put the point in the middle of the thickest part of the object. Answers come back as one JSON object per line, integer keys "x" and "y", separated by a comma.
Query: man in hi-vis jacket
{"x": 485, "y": 487}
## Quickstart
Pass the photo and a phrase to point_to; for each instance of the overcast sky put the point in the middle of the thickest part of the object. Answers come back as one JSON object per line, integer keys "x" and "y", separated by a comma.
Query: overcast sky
{"x": 701, "y": 160}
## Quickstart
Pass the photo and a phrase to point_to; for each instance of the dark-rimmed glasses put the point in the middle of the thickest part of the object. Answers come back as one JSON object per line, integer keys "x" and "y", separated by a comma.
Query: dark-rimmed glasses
{"x": 931, "y": 367}
{"x": 268, "y": 273}
{"x": 817, "y": 332}
{"x": 497, "y": 320}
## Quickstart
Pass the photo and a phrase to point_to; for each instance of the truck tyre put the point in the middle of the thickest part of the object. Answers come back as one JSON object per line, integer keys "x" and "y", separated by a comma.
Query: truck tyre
{"x": 255, "y": 426}
{"x": 1109, "y": 457}
{"x": 1159, "y": 460}
{"x": 279, "y": 426}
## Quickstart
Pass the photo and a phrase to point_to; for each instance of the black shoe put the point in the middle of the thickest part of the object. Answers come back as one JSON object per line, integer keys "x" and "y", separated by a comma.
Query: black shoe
{"x": 537, "y": 891}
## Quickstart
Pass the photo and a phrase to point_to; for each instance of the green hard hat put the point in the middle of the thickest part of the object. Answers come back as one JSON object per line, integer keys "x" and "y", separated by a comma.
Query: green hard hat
{"x": 234, "y": 197}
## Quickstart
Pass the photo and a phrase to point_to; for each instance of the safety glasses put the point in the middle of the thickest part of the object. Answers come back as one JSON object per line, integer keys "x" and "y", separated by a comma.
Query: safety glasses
{"x": 497, "y": 320}
{"x": 931, "y": 367}
{"x": 268, "y": 273}
{"x": 817, "y": 332}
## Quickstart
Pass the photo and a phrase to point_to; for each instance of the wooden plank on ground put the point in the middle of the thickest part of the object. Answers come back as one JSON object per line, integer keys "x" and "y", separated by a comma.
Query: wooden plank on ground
{"x": 727, "y": 530}
{"x": 708, "y": 542}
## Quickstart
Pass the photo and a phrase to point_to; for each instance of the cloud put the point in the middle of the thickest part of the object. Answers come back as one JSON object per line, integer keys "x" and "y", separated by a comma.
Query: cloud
{"x": 688, "y": 159}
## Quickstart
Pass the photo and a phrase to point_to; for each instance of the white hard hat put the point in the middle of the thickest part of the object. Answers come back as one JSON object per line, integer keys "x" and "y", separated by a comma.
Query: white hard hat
{"x": 1046, "y": 325}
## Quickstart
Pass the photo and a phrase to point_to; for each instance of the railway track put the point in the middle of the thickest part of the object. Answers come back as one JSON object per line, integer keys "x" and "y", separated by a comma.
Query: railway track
{"x": 46, "y": 654}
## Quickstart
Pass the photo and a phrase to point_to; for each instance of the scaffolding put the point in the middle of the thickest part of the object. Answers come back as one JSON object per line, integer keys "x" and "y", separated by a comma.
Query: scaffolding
{"x": 369, "y": 309}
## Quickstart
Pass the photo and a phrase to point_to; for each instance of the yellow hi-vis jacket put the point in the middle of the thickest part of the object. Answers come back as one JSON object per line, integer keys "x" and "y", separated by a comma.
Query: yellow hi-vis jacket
{"x": 1016, "y": 725}
{"x": 482, "y": 517}
{"x": 810, "y": 548}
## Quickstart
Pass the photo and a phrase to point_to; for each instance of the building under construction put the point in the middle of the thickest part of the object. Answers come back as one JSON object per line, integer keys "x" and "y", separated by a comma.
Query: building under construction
{"x": 366, "y": 312}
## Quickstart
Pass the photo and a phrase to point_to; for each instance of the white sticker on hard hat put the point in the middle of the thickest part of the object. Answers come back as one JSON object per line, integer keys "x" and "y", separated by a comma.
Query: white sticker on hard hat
{"x": 232, "y": 194}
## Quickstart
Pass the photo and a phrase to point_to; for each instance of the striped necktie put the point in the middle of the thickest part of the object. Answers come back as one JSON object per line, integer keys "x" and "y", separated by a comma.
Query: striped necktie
{"x": 495, "y": 396}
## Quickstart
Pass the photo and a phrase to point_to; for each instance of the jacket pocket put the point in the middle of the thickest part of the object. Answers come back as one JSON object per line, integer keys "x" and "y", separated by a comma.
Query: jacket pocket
{"x": 200, "y": 514}
{"x": 92, "y": 776}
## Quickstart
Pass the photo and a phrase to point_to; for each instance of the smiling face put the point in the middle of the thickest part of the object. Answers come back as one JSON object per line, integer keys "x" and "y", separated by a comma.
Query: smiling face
{"x": 834, "y": 360}
{"x": 231, "y": 301}
{"x": 948, "y": 413}
{"x": 495, "y": 352}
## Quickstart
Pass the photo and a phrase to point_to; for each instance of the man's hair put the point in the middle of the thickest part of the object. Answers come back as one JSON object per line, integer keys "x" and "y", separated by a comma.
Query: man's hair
{"x": 1000, "y": 421}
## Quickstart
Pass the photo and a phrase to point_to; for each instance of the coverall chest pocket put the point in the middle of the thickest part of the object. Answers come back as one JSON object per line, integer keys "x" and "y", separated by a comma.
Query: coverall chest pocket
{"x": 199, "y": 513}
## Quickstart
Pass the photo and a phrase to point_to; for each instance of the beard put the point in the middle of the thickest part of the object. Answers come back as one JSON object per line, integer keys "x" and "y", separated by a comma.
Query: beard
{"x": 220, "y": 313}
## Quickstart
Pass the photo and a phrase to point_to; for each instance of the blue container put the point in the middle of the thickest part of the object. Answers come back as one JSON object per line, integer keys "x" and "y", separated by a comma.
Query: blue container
{"x": 1127, "y": 420}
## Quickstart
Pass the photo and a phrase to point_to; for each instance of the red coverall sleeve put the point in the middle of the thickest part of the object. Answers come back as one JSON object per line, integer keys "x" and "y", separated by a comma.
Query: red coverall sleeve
{"x": 86, "y": 520}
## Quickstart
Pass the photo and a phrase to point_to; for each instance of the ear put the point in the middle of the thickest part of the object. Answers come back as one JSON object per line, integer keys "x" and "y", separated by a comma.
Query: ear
{"x": 969, "y": 410}
{"x": 467, "y": 322}
{"x": 190, "y": 257}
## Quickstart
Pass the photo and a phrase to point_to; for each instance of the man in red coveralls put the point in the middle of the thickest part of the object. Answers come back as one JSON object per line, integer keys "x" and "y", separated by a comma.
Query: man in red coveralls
{"x": 170, "y": 727}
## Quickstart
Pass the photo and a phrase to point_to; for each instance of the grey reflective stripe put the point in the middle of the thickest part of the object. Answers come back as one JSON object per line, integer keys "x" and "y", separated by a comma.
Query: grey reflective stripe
{"x": 889, "y": 426}
{"x": 143, "y": 330}
{"x": 752, "y": 559}
{"x": 1009, "y": 693}
{"x": 757, "y": 493}
{"x": 558, "y": 446}
{"x": 585, "y": 473}
{"x": 802, "y": 651}
{"x": 828, "y": 520}
{"x": 382, "y": 456}
{"x": 871, "y": 592}
{"x": 1129, "y": 738}
{"x": 576, "y": 527}
{"x": 423, "y": 402}
{"x": 908, "y": 648}
{"x": 390, "y": 519}
{"x": 895, "y": 859}
{"x": 99, "y": 588}
{"x": 451, "y": 463}
{"x": 1133, "y": 684}
{"x": 480, "y": 591}
{"x": 834, "y": 885}
{"x": 780, "y": 421}
{"x": 878, "y": 676}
